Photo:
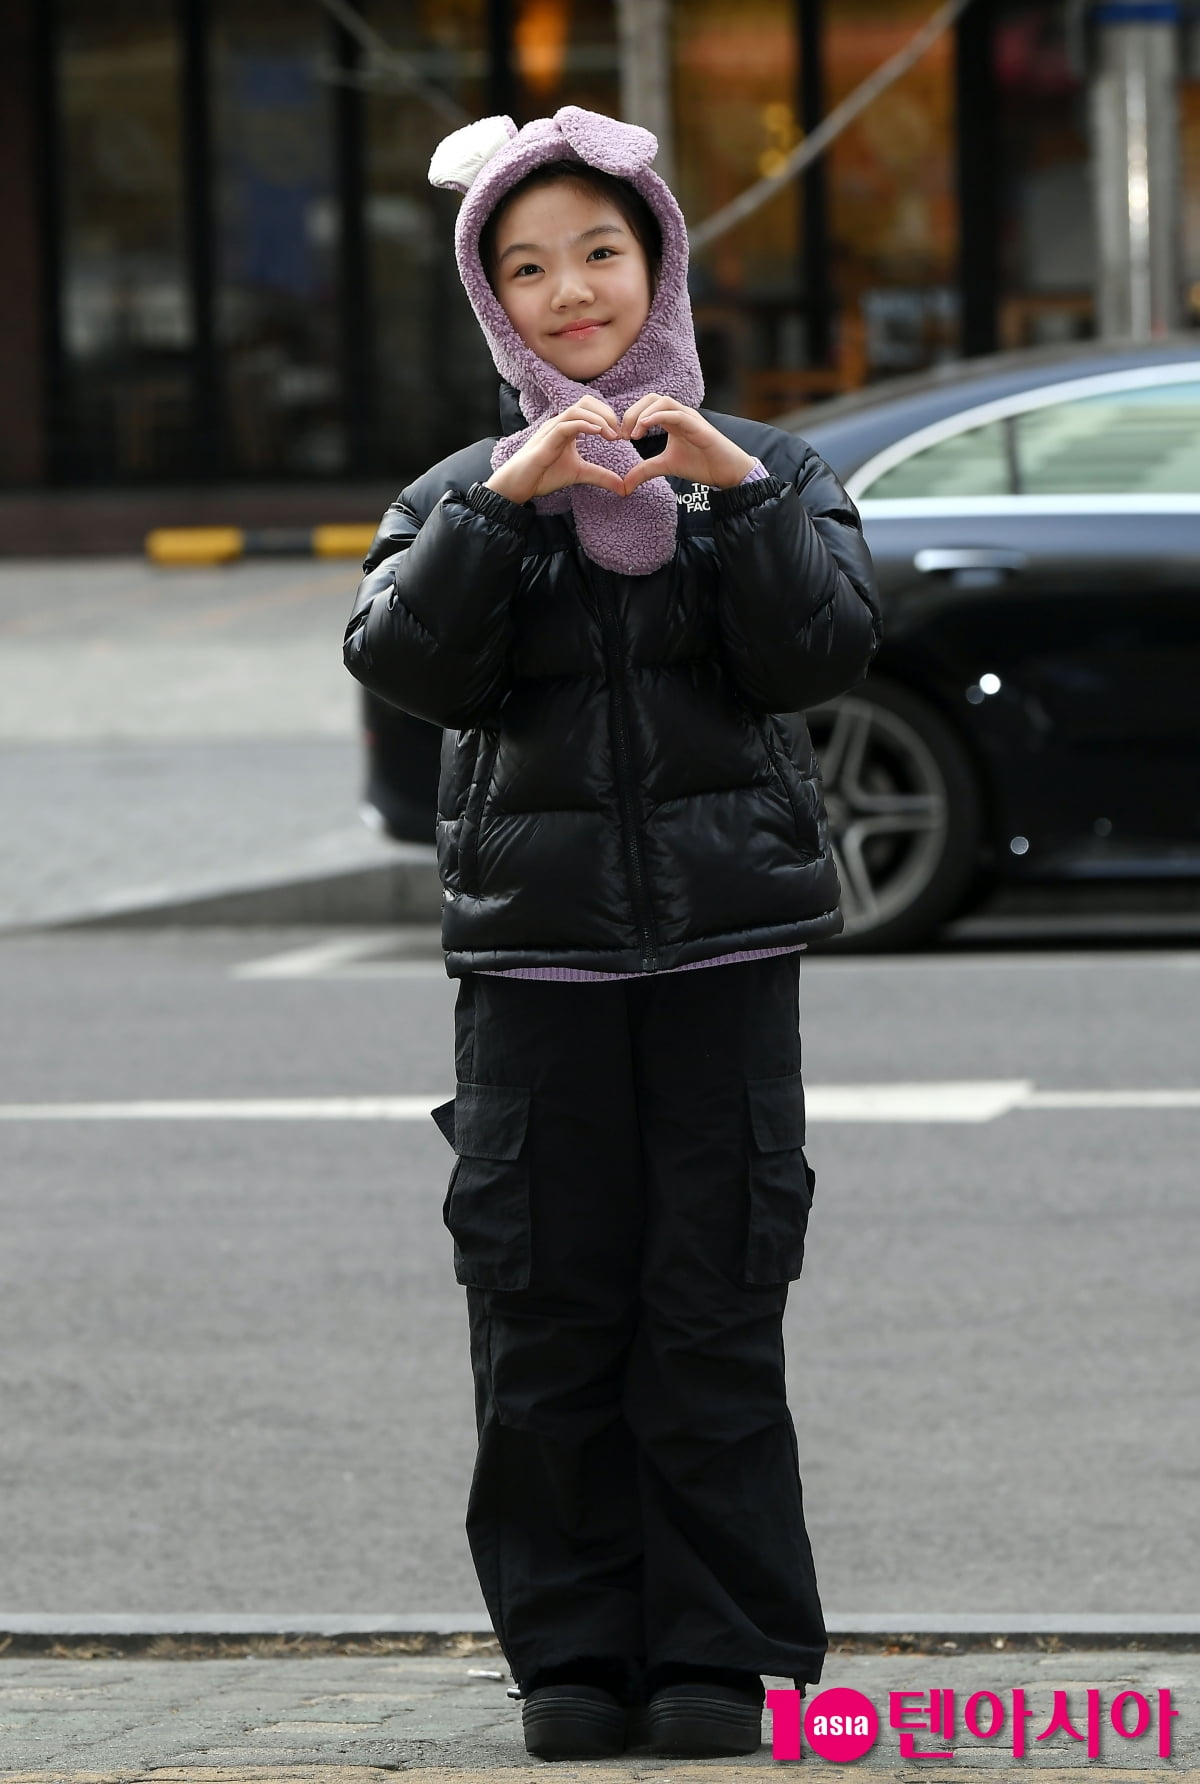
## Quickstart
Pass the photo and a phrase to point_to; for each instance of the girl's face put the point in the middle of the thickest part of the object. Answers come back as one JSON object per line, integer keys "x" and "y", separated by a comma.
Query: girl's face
{"x": 572, "y": 278}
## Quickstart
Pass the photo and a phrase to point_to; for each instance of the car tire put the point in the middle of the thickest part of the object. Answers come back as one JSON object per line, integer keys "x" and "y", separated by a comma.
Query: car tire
{"x": 904, "y": 815}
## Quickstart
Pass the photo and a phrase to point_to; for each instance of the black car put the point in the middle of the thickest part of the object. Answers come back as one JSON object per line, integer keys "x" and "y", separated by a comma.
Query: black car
{"x": 1034, "y": 712}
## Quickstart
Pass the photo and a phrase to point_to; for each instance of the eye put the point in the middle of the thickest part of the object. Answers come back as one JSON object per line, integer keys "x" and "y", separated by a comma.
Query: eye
{"x": 596, "y": 251}
{"x": 529, "y": 267}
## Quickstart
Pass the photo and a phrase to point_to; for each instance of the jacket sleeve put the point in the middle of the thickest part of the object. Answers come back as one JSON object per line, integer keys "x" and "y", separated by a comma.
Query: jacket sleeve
{"x": 799, "y": 612}
{"x": 431, "y": 629}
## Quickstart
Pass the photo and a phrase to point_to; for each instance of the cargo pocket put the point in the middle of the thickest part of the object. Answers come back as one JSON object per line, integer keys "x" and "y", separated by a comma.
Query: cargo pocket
{"x": 781, "y": 1183}
{"x": 487, "y": 1204}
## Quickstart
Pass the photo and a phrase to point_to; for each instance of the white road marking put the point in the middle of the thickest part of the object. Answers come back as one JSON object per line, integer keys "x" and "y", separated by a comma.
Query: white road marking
{"x": 1113, "y": 1099}
{"x": 963, "y": 1100}
{"x": 319, "y": 959}
{"x": 278, "y": 1108}
{"x": 966, "y": 1100}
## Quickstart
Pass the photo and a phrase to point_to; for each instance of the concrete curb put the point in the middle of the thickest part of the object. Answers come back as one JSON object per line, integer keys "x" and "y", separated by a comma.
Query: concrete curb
{"x": 404, "y": 891}
{"x": 1075, "y": 1628}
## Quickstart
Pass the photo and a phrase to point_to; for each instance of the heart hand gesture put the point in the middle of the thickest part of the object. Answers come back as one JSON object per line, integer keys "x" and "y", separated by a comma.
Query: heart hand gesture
{"x": 550, "y": 459}
{"x": 694, "y": 448}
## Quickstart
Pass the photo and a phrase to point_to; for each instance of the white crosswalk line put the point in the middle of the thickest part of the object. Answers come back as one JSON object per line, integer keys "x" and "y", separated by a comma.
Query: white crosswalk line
{"x": 298, "y": 1108}
{"x": 961, "y": 1100}
{"x": 965, "y": 1100}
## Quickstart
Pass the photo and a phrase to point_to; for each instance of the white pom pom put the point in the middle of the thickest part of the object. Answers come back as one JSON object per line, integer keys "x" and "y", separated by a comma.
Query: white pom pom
{"x": 459, "y": 157}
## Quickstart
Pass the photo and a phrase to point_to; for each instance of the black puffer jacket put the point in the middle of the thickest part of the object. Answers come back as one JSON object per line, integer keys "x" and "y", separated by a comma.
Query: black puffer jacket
{"x": 615, "y": 792}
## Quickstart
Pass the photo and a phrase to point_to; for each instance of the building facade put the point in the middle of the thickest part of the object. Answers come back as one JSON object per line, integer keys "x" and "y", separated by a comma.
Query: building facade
{"x": 224, "y": 261}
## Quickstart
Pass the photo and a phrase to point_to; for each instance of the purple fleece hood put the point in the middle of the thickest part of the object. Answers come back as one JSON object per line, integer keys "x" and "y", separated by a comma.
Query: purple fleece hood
{"x": 632, "y": 534}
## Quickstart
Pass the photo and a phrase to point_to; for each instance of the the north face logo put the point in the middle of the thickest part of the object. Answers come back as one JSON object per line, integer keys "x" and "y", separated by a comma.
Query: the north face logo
{"x": 695, "y": 499}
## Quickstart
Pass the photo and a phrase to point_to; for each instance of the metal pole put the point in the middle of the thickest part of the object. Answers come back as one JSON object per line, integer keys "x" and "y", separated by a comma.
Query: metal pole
{"x": 196, "y": 117}
{"x": 815, "y": 269}
{"x": 644, "y": 37}
{"x": 1135, "y": 161}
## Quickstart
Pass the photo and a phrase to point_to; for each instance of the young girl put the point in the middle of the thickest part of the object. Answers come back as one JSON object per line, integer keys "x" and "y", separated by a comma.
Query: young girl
{"x": 605, "y": 607}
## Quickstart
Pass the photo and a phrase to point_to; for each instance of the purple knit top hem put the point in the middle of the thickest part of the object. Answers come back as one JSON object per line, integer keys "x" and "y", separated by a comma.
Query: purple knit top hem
{"x": 578, "y": 975}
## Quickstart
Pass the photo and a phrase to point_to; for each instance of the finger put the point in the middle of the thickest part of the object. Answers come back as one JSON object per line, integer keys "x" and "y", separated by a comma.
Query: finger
{"x": 598, "y": 411}
{"x": 649, "y": 467}
{"x": 574, "y": 420}
{"x": 601, "y": 476}
{"x": 600, "y": 408}
{"x": 667, "y": 415}
{"x": 570, "y": 427}
{"x": 635, "y": 409}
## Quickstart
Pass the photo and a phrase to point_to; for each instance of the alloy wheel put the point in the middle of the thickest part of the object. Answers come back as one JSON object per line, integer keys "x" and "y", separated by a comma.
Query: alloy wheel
{"x": 888, "y": 809}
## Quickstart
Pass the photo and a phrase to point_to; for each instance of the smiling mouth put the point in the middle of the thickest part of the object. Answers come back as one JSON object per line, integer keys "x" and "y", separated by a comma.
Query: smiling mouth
{"x": 578, "y": 328}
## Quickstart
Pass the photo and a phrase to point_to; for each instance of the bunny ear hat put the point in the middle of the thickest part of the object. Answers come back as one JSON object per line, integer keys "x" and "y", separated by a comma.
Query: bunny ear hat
{"x": 632, "y": 534}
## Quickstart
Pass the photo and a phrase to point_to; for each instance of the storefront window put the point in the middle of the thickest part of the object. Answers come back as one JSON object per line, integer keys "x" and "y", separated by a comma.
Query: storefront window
{"x": 277, "y": 233}
{"x": 435, "y": 387}
{"x": 565, "y": 53}
{"x": 126, "y": 316}
{"x": 1047, "y": 240}
{"x": 735, "y": 88}
{"x": 893, "y": 198}
{"x": 432, "y": 390}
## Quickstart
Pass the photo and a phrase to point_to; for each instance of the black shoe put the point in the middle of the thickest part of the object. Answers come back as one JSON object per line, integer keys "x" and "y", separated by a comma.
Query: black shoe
{"x": 704, "y": 1721}
{"x": 573, "y": 1722}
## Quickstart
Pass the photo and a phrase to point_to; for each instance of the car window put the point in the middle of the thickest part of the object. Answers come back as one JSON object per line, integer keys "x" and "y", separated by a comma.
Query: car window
{"x": 973, "y": 463}
{"x": 1144, "y": 440}
{"x": 1125, "y": 442}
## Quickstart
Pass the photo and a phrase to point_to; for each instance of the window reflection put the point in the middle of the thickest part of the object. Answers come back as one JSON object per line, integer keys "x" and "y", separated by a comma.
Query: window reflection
{"x": 434, "y": 388}
{"x": 435, "y": 385}
{"x": 1047, "y": 240}
{"x": 277, "y": 225}
{"x": 126, "y": 315}
{"x": 1134, "y": 442}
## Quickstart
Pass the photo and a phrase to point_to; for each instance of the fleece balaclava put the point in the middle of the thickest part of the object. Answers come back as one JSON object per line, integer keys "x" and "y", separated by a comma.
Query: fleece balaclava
{"x": 632, "y": 534}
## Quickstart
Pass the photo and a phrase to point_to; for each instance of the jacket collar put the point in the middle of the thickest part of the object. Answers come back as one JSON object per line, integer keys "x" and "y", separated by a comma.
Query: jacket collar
{"x": 511, "y": 418}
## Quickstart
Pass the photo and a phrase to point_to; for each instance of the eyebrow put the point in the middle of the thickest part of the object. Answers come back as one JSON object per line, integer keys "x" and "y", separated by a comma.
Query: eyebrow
{"x": 584, "y": 236}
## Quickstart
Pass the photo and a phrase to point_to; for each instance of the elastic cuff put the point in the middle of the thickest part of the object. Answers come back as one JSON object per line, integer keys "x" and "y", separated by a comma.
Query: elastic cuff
{"x": 725, "y": 503}
{"x": 493, "y": 506}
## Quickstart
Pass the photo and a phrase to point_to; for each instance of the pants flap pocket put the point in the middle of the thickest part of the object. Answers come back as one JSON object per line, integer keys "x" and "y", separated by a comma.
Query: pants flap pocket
{"x": 490, "y": 1120}
{"x": 443, "y": 1118}
{"x": 777, "y": 1112}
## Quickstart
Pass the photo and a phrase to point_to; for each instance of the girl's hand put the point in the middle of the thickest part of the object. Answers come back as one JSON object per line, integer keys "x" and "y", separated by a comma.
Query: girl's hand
{"x": 694, "y": 448}
{"x": 550, "y": 460}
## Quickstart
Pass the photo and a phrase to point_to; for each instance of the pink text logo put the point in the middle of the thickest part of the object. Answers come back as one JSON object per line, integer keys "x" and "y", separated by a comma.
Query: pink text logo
{"x": 842, "y": 1725}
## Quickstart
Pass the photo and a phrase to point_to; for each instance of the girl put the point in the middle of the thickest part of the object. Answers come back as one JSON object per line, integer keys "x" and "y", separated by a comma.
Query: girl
{"x": 605, "y": 607}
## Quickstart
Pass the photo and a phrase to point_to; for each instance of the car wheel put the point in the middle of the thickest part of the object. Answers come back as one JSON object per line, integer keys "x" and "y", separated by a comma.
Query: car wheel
{"x": 904, "y": 814}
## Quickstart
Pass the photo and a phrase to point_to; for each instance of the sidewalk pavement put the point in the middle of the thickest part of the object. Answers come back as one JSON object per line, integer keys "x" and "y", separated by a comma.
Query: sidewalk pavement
{"x": 352, "y": 1717}
{"x": 169, "y": 738}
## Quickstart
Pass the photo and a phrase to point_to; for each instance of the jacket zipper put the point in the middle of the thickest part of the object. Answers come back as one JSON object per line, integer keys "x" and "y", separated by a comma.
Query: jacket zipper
{"x": 639, "y": 895}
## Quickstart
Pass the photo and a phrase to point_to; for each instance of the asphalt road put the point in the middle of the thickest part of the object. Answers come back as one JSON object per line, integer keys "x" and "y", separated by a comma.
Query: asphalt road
{"x": 233, "y": 1372}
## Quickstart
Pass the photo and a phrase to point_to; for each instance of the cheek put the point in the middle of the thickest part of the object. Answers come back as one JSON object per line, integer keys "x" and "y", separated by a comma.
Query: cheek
{"x": 522, "y": 309}
{"x": 636, "y": 296}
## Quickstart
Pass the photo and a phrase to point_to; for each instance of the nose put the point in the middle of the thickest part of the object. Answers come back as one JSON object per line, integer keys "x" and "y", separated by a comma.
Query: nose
{"x": 571, "y": 288}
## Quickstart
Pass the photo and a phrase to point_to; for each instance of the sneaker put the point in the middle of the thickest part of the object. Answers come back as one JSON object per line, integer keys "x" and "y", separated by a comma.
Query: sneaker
{"x": 704, "y": 1721}
{"x": 573, "y": 1722}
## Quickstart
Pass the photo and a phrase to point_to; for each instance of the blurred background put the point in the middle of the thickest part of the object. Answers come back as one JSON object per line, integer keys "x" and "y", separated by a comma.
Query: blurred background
{"x": 223, "y": 262}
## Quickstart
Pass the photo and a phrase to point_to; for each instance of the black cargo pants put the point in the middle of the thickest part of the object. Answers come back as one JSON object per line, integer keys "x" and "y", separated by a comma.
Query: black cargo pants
{"x": 628, "y": 1205}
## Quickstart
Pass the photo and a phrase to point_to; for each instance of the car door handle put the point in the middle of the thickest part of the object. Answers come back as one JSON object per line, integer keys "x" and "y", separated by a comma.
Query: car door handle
{"x": 968, "y": 557}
